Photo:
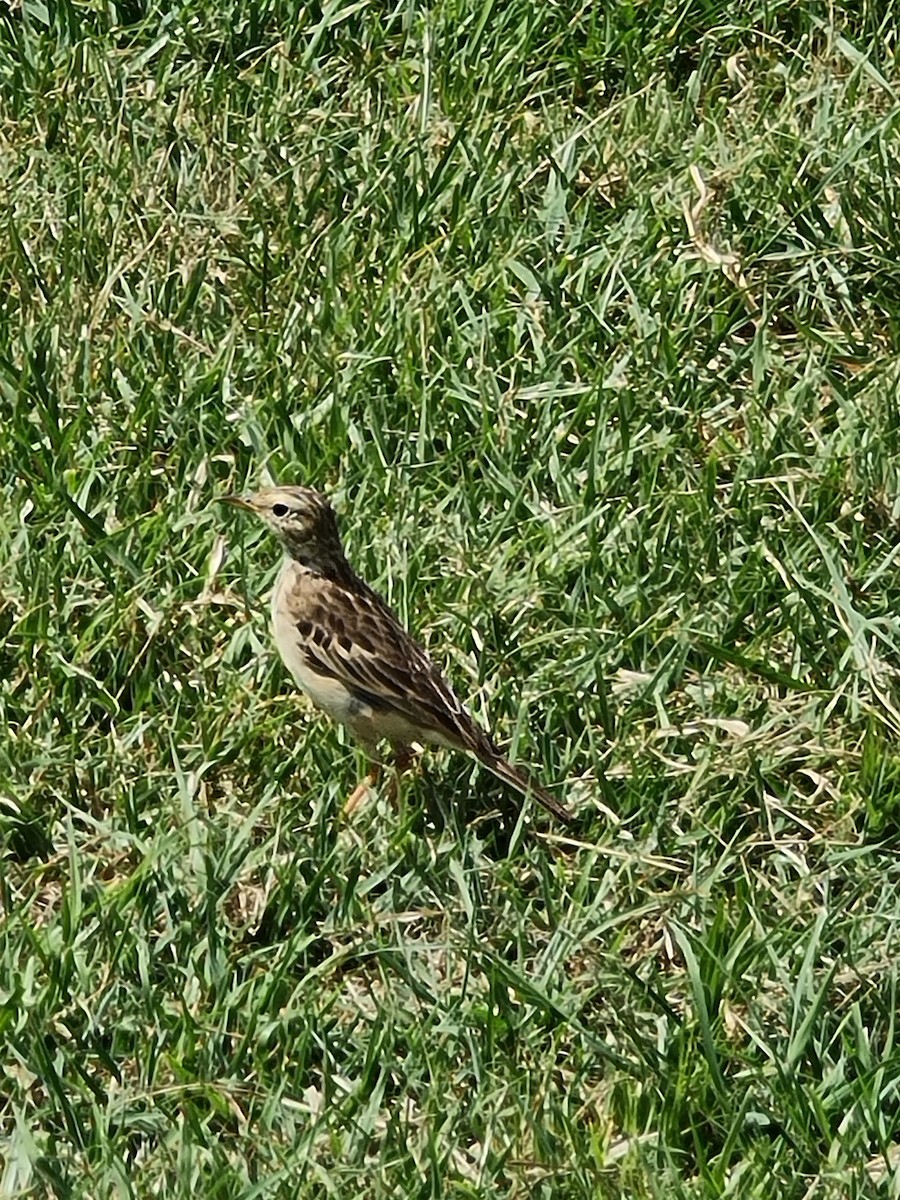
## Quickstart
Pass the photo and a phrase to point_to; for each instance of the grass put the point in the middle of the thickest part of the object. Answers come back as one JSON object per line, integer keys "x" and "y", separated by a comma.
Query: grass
{"x": 586, "y": 318}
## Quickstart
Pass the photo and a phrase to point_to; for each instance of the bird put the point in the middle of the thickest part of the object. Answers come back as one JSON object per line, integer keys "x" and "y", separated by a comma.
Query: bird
{"x": 347, "y": 650}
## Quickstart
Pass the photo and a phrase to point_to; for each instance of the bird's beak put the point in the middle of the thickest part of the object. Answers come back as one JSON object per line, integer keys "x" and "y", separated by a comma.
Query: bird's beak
{"x": 237, "y": 501}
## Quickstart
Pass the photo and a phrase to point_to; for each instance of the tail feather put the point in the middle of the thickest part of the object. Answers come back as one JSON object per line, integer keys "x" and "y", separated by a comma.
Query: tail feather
{"x": 523, "y": 783}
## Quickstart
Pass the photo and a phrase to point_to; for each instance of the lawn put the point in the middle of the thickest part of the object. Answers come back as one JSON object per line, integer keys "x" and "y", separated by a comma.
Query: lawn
{"x": 586, "y": 319}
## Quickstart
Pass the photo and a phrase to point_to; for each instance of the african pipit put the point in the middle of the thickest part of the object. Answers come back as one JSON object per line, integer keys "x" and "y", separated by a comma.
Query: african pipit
{"x": 349, "y": 653}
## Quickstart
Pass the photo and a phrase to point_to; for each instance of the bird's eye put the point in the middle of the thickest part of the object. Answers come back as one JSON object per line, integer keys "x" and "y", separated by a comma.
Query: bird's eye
{"x": 280, "y": 510}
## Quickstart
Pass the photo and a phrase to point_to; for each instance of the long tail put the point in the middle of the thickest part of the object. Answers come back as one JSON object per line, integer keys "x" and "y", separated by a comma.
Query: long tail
{"x": 522, "y": 783}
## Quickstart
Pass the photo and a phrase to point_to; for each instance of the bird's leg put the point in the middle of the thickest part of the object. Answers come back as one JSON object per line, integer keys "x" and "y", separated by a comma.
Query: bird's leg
{"x": 404, "y": 756}
{"x": 360, "y": 793}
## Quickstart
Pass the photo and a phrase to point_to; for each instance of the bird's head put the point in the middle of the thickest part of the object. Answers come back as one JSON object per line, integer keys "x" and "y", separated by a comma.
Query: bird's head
{"x": 303, "y": 520}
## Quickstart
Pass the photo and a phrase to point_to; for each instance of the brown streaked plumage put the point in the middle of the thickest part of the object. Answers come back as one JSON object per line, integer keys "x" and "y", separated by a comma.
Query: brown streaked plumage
{"x": 346, "y": 649}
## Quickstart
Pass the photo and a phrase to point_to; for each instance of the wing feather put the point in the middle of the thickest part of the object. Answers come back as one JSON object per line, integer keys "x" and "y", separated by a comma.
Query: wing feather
{"x": 364, "y": 647}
